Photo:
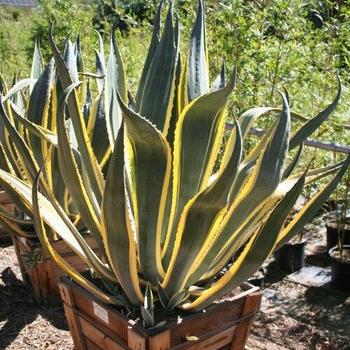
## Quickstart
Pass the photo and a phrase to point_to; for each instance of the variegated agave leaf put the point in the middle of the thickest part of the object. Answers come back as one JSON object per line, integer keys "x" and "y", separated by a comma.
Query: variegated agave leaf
{"x": 29, "y": 136}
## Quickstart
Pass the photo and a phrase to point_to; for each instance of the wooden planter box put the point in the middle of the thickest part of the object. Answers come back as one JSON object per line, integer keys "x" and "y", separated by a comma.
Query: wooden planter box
{"x": 5, "y": 201}
{"x": 44, "y": 276}
{"x": 96, "y": 326}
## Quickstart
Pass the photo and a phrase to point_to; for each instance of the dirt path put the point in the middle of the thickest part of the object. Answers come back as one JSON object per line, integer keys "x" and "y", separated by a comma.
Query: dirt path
{"x": 294, "y": 315}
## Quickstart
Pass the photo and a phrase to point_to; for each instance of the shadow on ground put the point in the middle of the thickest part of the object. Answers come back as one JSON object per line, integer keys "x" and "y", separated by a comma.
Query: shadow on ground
{"x": 321, "y": 306}
{"x": 274, "y": 274}
{"x": 18, "y": 309}
{"x": 332, "y": 308}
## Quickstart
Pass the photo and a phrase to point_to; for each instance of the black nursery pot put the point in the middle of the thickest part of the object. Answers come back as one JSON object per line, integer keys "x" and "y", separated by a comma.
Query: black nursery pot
{"x": 340, "y": 268}
{"x": 333, "y": 235}
{"x": 290, "y": 257}
{"x": 258, "y": 278}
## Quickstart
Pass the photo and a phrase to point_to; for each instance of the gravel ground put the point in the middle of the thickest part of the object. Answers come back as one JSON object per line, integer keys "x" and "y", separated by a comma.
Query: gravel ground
{"x": 293, "y": 316}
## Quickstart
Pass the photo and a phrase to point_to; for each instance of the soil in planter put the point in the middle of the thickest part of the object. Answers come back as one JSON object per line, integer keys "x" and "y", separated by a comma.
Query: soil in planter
{"x": 344, "y": 256}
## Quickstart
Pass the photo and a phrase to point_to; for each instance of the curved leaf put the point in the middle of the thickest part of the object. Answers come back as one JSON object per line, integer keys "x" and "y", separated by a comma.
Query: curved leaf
{"x": 151, "y": 158}
{"x": 198, "y": 70}
{"x": 116, "y": 226}
{"x": 115, "y": 83}
{"x": 151, "y": 52}
{"x": 261, "y": 185}
{"x": 255, "y": 253}
{"x": 18, "y": 87}
{"x": 191, "y": 170}
{"x": 25, "y": 155}
{"x": 88, "y": 209}
{"x": 92, "y": 168}
{"x": 67, "y": 268}
{"x": 198, "y": 218}
{"x": 38, "y": 107}
{"x": 311, "y": 208}
{"x": 160, "y": 80}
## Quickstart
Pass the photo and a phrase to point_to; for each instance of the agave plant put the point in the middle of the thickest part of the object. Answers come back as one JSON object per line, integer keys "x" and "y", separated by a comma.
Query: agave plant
{"x": 13, "y": 102}
{"x": 171, "y": 212}
{"x": 28, "y": 115}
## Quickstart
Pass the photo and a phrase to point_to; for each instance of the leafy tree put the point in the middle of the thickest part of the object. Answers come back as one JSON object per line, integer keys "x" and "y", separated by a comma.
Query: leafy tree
{"x": 70, "y": 18}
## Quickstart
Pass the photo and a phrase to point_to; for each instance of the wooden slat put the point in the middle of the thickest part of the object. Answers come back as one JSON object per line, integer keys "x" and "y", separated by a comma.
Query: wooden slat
{"x": 99, "y": 338}
{"x": 71, "y": 316}
{"x": 160, "y": 341}
{"x": 215, "y": 318}
{"x": 56, "y": 272}
{"x": 77, "y": 335}
{"x": 91, "y": 345}
{"x": 41, "y": 283}
{"x": 5, "y": 199}
{"x": 101, "y": 327}
{"x": 251, "y": 306}
{"x": 135, "y": 340}
{"x": 19, "y": 259}
{"x": 66, "y": 294}
{"x": 64, "y": 249}
{"x": 115, "y": 324}
{"x": 44, "y": 277}
{"x": 53, "y": 276}
{"x": 7, "y": 204}
{"x": 213, "y": 342}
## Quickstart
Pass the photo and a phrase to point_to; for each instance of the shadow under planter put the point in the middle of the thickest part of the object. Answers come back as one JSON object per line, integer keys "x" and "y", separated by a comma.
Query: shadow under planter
{"x": 40, "y": 272}
{"x": 18, "y": 310}
{"x": 97, "y": 326}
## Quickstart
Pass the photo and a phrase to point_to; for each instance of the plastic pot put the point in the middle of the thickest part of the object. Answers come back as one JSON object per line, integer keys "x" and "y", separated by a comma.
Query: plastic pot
{"x": 258, "y": 278}
{"x": 290, "y": 257}
{"x": 333, "y": 234}
{"x": 340, "y": 268}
